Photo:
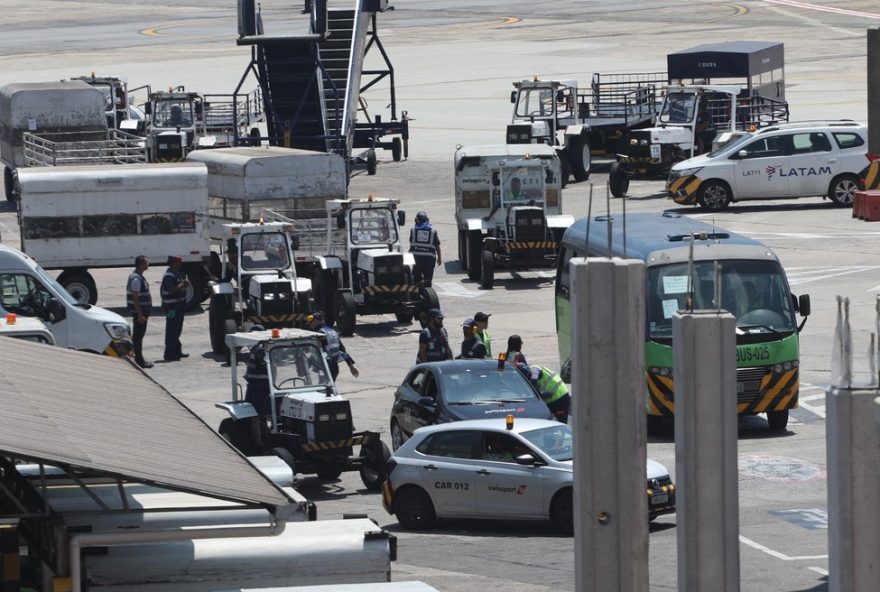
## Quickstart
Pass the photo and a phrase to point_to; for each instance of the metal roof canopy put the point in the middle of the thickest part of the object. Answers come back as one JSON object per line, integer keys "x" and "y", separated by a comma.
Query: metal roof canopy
{"x": 86, "y": 412}
{"x": 735, "y": 59}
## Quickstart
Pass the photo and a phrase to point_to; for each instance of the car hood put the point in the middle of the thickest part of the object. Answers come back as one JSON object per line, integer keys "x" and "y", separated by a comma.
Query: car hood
{"x": 656, "y": 469}
{"x": 536, "y": 409}
{"x": 691, "y": 163}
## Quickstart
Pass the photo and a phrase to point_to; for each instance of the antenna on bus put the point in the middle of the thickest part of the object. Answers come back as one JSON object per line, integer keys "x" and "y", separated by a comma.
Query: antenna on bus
{"x": 689, "y": 301}
{"x": 589, "y": 219}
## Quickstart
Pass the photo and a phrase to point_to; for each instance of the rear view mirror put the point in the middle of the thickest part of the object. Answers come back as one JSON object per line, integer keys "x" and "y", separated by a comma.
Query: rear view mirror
{"x": 401, "y": 217}
{"x": 495, "y": 180}
{"x": 513, "y": 96}
{"x": 294, "y": 242}
{"x": 549, "y": 178}
{"x": 148, "y": 109}
{"x": 804, "y": 305}
{"x": 55, "y": 311}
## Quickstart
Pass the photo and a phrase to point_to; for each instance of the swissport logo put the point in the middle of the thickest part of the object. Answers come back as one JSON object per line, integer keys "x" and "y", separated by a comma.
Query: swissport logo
{"x": 518, "y": 490}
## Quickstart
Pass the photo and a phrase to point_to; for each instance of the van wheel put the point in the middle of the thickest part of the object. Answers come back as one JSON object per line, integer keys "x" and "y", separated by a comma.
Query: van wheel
{"x": 474, "y": 254}
{"x": 81, "y": 285}
{"x": 714, "y": 196}
{"x": 842, "y": 190}
{"x": 618, "y": 180}
{"x": 580, "y": 158}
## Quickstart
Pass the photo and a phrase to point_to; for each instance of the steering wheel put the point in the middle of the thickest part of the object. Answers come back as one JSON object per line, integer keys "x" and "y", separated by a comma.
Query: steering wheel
{"x": 292, "y": 380}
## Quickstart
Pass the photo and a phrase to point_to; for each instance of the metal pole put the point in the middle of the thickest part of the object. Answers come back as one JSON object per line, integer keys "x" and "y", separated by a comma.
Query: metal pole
{"x": 608, "y": 420}
{"x": 707, "y": 492}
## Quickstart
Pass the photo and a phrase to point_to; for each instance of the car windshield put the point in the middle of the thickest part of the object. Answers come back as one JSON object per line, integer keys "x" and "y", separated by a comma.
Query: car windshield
{"x": 754, "y": 291}
{"x": 554, "y": 441}
{"x": 485, "y": 384}
{"x": 266, "y": 250}
{"x": 372, "y": 225}
{"x": 299, "y": 365}
{"x": 732, "y": 146}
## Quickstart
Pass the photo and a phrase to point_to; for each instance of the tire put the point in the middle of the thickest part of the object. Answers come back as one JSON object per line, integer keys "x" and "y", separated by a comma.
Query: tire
{"x": 254, "y": 136}
{"x": 580, "y": 158}
{"x": 217, "y": 311}
{"x": 474, "y": 250}
{"x": 618, "y": 180}
{"x": 371, "y": 162}
{"x": 396, "y": 149}
{"x": 714, "y": 196}
{"x": 414, "y": 508}
{"x": 397, "y": 435}
{"x": 462, "y": 249}
{"x": 8, "y": 184}
{"x": 195, "y": 291}
{"x": 562, "y": 511}
{"x": 842, "y": 190}
{"x": 778, "y": 420}
{"x": 487, "y": 273}
{"x": 346, "y": 313}
{"x": 329, "y": 474}
{"x": 237, "y": 433}
{"x": 285, "y": 455}
{"x": 81, "y": 285}
{"x": 429, "y": 300}
{"x": 374, "y": 470}
{"x": 564, "y": 169}
{"x": 405, "y": 317}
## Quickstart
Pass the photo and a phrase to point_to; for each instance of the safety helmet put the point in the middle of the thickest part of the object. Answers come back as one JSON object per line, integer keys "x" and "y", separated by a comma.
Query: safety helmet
{"x": 421, "y": 217}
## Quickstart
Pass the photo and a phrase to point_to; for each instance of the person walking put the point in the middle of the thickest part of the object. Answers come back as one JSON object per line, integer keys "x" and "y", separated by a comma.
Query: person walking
{"x": 333, "y": 347}
{"x": 173, "y": 292}
{"x": 433, "y": 340}
{"x": 514, "y": 353}
{"x": 471, "y": 347}
{"x": 481, "y": 320}
{"x": 424, "y": 244}
{"x": 140, "y": 304}
{"x": 551, "y": 388}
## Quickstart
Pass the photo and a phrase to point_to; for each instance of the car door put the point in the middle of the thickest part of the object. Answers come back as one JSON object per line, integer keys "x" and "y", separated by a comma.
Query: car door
{"x": 406, "y": 407}
{"x": 505, "y": 488}
{"x": 812, "y": 164}
{"x": 447, "y": 470}
{"x": 760, "y": 168}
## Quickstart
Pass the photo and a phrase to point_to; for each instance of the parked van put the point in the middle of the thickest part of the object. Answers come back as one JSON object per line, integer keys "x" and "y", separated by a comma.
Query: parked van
{"x": 28, "y": 291}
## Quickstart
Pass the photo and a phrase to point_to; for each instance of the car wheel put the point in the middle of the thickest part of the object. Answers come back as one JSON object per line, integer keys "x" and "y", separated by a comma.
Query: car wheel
{"x": 778, "y": 420}
{"x": 374, "y": 469}
{"x": 414, "y": 509}
{"x": 397, "y": 435}
{"x": 562, "y": 511}
{"x": 842, "y": 190}
{"x": 714, "y": 196}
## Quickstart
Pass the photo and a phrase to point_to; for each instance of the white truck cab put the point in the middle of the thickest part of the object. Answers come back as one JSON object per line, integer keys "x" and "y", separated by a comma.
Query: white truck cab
{"x": 28, "y": 291}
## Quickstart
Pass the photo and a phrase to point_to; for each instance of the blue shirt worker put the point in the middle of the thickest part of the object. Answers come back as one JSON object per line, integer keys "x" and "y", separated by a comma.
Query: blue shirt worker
{"x": 471, "y": 347}
{"x": 433, "y": 340}
{"x": 424, "y": 244}
{"x": 333, "y": 347}
{"x": 173, "y": 291}
{"x": 140, "y": 303}
{"x": 552, "y": 389}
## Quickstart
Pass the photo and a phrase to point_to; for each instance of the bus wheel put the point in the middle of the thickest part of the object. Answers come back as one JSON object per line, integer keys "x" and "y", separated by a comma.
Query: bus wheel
{"x": 778, "y": 420}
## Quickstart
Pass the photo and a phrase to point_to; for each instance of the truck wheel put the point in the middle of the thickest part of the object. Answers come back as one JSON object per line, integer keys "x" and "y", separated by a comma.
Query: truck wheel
{"x": 304, "y": 305}
{"x": 462, "y": 249}
{"x": 371, "y": 162}
{"x": 778, "y": 420}
{"x": 618, "y": 181}
{"x": 374, "y": 469}
{"x": 81, "y": 285}
{"x": 580, "y": 158}
{"x": 237, "y": 433}
{"x": 7, "y": 184}
{"x": 396, "y": 149}
{"x": 474, "y": 250}
{"x": 487, "y": 275}
{"x": 346, "y": 312}
{"x": 217, "y": 310}
{"x": 195, "y": 291}
{"x": 404, "y": 317}
{"x": 285, "y": 455}
{"x": 429, "y": 300}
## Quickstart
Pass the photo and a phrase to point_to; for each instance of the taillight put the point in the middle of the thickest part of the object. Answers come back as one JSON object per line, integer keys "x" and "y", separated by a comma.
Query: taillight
{"x": 872, "y": 157}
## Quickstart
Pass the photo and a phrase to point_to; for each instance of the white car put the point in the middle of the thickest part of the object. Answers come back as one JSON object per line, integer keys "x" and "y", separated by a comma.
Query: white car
{"x": 481, "y": 469}
{"x": 783, "y": 161}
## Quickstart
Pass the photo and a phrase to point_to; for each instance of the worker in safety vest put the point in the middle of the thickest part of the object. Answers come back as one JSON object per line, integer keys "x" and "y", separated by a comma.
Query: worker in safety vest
{"x": 551, "y": 388}
{"x": 333, "y": 347}
{"x": 471, "y": 346}
{"x": 481, "y": 321}
{"x": 433, "y": 340}
{"x": 173, "y": 292}
{"x": 424, "y": 244}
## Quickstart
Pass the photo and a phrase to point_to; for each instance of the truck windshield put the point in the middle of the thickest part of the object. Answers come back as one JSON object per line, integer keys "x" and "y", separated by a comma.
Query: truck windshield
{"x": 755, "y": 292}
{"x": 298, "y": 365}
{"x": 267, "y": 250}
{"x": 372, "y": 226}
{"x": 522, "y": 184}
{"x": 173, "y": 113}
{"x": 535, "y": 102}
{"x": 678, "y": 108}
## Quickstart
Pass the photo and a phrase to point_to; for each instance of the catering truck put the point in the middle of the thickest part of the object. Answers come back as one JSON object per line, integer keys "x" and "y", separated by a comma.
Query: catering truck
{"x": 79, "y": 218}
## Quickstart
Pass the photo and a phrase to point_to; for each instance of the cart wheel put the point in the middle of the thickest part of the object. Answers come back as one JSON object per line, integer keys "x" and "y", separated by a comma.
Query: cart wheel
{"x": 487, "y": 275}
{"x": 374, "y": 469}
{"x": 414, "y": 508}
{"x": 217, "y": 310}
{"x": 474, "y": 248}
{"x": 346, "y": 313}
{"x": 195, "y": 290}
{"x": 405, "y": 317}
{"x": 618, "y": 181}
{"x": 81, "y": 285}
{"x": 396, "y": 149}
{"x": 564, "y": 169}
{"x": 580, "y": 158}
{"x": 371, "y": 162}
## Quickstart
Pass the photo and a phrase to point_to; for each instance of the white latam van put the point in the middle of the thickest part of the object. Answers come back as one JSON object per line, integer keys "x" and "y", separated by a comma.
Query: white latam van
{"x": 28, "y": 291}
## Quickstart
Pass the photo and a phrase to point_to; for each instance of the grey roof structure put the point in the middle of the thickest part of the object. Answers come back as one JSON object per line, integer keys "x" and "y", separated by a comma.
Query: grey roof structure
{"x": 96, "y": 413}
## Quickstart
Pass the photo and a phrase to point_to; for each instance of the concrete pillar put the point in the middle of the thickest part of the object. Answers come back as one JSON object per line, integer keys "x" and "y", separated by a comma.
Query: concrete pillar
{"x": 853, "y": 448}
{"x": 608, "y": 420}
{"x": 707, "y": 489}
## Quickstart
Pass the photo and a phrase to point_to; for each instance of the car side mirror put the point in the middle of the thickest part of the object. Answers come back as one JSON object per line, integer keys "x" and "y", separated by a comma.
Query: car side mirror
{"x": 742, "y": 154}
{"x": 401, "y": 217}
{"x": 294, "y": 242}
{"x": 55, "y": 311}
{"x": 427, "y": 402}
{"x": 148, "y": 109}
{"x": 549, "y": 178}
{"x": 804, "y": 305}
{"x": 495, "y": 180}
{"x": 526, "y": 460}
{"x": 513, "y": 96}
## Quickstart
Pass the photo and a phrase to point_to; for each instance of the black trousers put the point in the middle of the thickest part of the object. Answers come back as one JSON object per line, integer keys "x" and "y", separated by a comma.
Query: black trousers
{"x": 173, "y": 329}
{"x": 423, "y": 270}
{"x": 137, "y": 334}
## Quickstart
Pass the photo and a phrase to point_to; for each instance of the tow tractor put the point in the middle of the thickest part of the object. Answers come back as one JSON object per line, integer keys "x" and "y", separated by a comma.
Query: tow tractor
{"x": 259, "y": 256}
{"x": 309, "y": 425}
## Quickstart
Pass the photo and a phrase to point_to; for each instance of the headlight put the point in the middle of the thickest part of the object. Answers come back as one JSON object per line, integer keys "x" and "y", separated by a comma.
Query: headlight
{"x": 268, "y": 296}
{"x": 117, "y": 330}
{"x": 687, "y": 172}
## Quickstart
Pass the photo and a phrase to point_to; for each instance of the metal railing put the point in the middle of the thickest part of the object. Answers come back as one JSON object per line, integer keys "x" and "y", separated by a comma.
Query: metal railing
{"x": 83, "y": 148}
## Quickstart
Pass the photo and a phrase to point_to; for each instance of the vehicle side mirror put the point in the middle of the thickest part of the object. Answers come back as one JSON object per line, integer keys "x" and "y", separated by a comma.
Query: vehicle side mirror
{"x": 742, "y": 154}
{"x": 427, "y": 402}
{"x": 513, "y": 96}
{"x": 198, "y": 110}
{"x": 148, "y": 109}
{"x": 495, "y": 180}
{"x": 294, "y": 242}
{"x": 560, "y": 96}
{"x": 55, "y": 311}
{"x": 401, "y": 217}
{"x": 340, "y": 221}
{"x": 526, "y": 460}
{"x": 549, "y": 178}
{"x": 804, "y": 305}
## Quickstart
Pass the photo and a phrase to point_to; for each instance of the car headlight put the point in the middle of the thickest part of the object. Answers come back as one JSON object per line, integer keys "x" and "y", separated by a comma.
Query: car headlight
{"x": 687, "y": 172}
{"x": 117, "y": 330}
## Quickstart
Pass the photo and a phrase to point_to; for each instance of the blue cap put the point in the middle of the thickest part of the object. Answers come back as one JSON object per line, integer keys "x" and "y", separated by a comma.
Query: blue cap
{"x": 468, "y": 323}
{"x": 436, "y": 313}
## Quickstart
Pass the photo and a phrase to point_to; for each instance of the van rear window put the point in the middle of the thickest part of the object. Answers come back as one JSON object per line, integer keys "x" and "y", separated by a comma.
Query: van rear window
{"x": 848, "y": 140}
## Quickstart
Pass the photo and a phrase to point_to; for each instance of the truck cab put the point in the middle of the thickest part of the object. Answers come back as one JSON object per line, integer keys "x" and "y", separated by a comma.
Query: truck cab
{"x": 26, "y": 290}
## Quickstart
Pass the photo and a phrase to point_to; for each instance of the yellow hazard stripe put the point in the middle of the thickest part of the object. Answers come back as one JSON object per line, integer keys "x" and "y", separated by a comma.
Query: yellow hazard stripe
{"x": 282, "y": 318}
{"x": 659, "y": 389}
{"x": 334, "y": 444}
{"x": 872, "y": 178}
{"x": 398, "y": 289}
{"x": 531, "y": 245}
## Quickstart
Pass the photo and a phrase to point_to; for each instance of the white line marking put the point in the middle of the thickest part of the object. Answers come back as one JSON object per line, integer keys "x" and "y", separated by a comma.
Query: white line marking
{"x": 820, "y": 411}
{"x": 777, "y": 554}
{"x": 456, "y": 290}
{"x": 808, "y": 6}
{"x": 804, "y": 280}
{"x": 820, "y": 571}
{"x": 811, "y": 397}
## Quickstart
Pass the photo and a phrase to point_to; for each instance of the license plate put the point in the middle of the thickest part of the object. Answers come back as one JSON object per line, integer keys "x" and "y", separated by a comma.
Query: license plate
{"x": 660, "y": 498}
{"x": 655, "y": 150}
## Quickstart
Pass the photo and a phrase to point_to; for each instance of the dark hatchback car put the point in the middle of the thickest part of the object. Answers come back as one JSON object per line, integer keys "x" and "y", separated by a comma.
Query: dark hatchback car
{"x": 441, "y": 392}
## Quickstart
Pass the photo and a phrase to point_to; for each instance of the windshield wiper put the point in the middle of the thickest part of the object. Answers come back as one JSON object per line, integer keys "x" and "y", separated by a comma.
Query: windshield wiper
{"x": 745, "y": 328}
{"x": 462, "y": 403}
{"x": 510, "y": 400}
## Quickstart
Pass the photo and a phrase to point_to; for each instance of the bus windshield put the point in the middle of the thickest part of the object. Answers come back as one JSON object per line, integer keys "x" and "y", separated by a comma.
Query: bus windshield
{"x": 755, "y": 292}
